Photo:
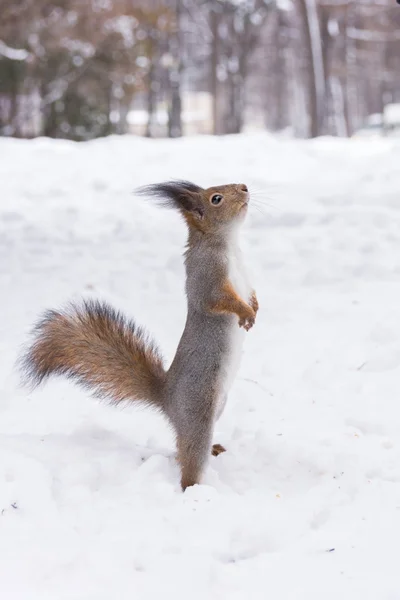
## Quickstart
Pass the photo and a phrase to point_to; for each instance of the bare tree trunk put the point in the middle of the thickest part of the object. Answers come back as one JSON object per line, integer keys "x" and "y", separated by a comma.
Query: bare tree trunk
{"x": 123, "y": 116}
{"x": 338, "y": 101}
{"x": 349, "y": 61}
{"x": 312, "y": 36}
{"x": 244, "y": 54}
{"x": 235, "y": 85}
{"x": 214, "y": 15}
{"x": 330, "y": 120}
{"x": 109, "y": 127}
{"x": 14, "y": 91}
{"x": 234, "y": 115}
{"x": 277, "y": 111}
{"x": 151, "y": 99}
{"x": 175, "y": 75}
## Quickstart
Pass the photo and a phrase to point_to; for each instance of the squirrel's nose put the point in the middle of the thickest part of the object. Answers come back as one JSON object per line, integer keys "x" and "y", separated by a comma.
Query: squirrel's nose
{"x": 242, "y": 187}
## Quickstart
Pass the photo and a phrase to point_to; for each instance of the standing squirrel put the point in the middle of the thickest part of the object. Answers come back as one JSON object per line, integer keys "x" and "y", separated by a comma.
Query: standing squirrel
{"x": 114, "y": 358}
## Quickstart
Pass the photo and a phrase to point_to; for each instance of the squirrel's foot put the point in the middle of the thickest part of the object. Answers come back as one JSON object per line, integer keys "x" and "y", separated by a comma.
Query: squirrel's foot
{"x": 217, "y": 449}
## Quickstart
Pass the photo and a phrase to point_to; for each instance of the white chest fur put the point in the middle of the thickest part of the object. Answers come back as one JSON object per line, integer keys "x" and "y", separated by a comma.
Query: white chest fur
{"x": 238, "y": 278}
{"x": 237, "y": 273}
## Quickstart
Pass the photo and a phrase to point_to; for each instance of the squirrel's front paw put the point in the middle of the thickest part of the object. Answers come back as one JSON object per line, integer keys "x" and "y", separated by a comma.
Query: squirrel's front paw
{"x": 247, "y": 321}
{"x": 254, "y": 302}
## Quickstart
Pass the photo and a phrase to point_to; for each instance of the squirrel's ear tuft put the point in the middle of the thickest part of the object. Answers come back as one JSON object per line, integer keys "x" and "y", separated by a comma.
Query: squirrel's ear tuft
{"x": 182, "y": 195}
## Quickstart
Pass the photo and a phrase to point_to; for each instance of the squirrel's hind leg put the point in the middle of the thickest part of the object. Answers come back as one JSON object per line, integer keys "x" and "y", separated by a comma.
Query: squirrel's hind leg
{"x": 194, "y": 448}
{"x": 217, "y": 448}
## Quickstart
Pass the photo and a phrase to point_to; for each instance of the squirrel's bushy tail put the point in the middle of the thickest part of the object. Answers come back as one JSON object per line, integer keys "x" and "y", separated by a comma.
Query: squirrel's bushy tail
{"x": 101, "y": 350}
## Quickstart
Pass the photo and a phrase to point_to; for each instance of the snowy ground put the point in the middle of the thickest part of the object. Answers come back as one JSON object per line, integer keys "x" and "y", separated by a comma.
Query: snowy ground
{"x": 306, "y": 502}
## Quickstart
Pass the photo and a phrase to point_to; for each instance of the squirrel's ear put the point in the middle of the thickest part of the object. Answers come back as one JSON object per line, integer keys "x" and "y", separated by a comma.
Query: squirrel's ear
{"x": 183, "y": 195}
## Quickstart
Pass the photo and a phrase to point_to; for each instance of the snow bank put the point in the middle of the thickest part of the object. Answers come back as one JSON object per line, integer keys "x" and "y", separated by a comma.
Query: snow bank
{"x": 306, "y": 502}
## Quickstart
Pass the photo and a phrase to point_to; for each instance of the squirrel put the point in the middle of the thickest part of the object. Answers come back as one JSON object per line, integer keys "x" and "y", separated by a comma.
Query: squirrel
{"x": 108, "y": 354}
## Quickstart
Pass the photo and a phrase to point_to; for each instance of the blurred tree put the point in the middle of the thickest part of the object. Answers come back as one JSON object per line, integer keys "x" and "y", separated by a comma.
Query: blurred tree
{"x": 75, "y": 69}
{"x": 175, "y": 73}
{"x": 236, "y": 26}
{"x": 310, "y": 23}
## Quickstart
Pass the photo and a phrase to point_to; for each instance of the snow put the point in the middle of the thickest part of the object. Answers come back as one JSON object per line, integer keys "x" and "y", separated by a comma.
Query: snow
{"x": 305, "y": 504}
{"x": 13, "y": 53}
{"x": 392, "y": 114}
{"x": 374, "y": 120}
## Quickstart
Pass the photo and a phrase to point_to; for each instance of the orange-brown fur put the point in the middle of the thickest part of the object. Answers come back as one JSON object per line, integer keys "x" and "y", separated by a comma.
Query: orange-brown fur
{"x": 98, "y": 347}
{"x": 230, "y": 302}
{"x": 205, "y": 218}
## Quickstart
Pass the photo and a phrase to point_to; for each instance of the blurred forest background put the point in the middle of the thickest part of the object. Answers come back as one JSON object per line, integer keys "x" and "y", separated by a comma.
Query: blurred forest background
{"x": 82, "y": 69}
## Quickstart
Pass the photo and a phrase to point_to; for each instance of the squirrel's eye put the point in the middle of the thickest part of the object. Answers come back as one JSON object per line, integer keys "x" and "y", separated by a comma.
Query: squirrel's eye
{"x": 216, "y": 199}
